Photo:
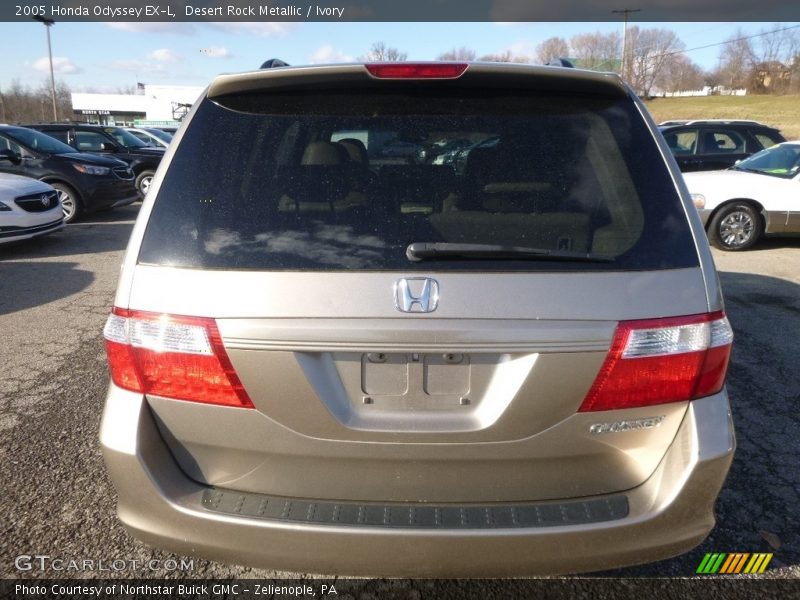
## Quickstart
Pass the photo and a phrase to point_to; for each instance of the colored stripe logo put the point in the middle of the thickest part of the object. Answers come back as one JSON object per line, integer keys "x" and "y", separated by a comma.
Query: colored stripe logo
{"x": 722, "y": 563}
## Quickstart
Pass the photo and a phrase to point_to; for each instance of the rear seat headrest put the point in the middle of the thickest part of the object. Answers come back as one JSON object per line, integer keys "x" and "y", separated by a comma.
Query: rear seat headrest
{"x": 324, "y": 153}
{"x": 356, "y": 150}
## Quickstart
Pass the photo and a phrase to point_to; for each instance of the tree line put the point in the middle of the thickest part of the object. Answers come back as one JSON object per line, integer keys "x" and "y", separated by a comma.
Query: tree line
{"x": 655, "y": 60}
{"x": 25, "y": 104}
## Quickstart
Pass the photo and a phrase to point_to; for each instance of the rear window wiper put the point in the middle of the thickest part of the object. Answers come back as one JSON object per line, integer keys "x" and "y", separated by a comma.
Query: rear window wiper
{"x": 419, "y": 251}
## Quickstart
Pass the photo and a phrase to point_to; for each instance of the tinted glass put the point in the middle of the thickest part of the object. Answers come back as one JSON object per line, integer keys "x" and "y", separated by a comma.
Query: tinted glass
{"x": 682, "y": 142}
{"x": 162, "y": 135}
{"x": 90, "y": 141}
{"x": 722, "y": 142}
{"x": 348, "y": 181}
{"x": 124, "y": 138}
{"x": 37, "y": 141}
{"x": 767, "y": 140}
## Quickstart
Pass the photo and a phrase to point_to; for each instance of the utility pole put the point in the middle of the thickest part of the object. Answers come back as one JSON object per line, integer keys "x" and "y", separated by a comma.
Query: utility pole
{"x": 625, "y": 12}
{"x": 48, "y": 23}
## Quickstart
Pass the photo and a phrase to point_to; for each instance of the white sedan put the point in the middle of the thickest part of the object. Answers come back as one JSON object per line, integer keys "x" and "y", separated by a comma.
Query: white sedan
{"x": 757, "y": 196}
{"x": 28, "y": 208}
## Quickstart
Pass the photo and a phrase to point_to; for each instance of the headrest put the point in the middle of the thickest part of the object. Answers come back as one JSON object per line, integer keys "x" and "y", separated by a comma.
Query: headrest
{"x": 356, "y": 150}
{"x": 324, "y": 153}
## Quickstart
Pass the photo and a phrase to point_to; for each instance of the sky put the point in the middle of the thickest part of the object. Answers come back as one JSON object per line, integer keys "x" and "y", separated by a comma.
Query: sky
{"x": 105, "y": 57}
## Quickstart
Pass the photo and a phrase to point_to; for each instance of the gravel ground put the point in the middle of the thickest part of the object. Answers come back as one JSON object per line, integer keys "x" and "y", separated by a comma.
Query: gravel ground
{"x": 57, "y": 500}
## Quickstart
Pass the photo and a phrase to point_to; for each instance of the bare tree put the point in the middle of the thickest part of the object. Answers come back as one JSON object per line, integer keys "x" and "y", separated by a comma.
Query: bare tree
{"x": 680, "y": 74}
{"x": 737, "y": 62}
{"x": 458, "y": 54}
{"x": 380, "y": 52}
{"x": 22, "y": 104}
{"x": 774, "y": 60}
{"x": 649, "y": 50}
{"x": 554, "y": 47}
{"x": 599, "y": 51}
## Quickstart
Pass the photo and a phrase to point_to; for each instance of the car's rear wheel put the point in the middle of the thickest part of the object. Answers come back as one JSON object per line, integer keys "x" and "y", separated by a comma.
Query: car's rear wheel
{"x": 70, "y": 202}
{"x": 735, "y": 227}
{"x": 143, "y": 181}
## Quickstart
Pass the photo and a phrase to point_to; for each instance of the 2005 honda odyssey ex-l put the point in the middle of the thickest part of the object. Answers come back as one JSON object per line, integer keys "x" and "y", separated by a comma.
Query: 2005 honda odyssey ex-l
{"x": 333, "y": 358}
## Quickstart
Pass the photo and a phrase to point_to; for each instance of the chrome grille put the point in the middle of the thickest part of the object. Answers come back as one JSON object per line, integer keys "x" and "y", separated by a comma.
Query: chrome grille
{"x": 38, "y": 202}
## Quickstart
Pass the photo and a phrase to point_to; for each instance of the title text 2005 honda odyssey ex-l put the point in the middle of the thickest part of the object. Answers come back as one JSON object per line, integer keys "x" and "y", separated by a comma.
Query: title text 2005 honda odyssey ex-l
{"x": 333, "y": 358}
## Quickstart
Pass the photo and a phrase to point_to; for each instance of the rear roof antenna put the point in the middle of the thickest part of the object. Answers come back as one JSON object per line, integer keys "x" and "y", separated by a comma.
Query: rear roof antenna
{"x": 560, "y": 62}
{"x": 272, "y": 63}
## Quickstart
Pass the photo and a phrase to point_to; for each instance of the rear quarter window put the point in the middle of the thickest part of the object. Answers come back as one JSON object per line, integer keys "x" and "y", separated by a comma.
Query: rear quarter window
{"x": 341, "y": 181}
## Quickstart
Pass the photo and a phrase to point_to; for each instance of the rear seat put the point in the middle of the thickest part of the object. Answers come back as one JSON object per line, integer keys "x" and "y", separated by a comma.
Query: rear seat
{"x": 325, "y": 181}
{"x": 416, "y": 188}
{"x": 529, "y": 202}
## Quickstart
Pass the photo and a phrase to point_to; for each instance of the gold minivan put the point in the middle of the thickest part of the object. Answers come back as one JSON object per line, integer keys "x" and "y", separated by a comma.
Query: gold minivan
{"x": 330, "y": 355}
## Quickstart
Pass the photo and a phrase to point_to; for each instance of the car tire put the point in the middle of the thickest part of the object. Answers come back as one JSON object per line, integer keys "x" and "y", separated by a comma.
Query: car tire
{"x": 70, "y": 201}
{"x": 735, "y": 227}
{"x": 143, "y": 181}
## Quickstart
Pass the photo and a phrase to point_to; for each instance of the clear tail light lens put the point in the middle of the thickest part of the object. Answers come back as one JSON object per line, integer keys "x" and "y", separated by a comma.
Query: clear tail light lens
{"x": 171, "y": 356}
{"x": 656, "y": 361}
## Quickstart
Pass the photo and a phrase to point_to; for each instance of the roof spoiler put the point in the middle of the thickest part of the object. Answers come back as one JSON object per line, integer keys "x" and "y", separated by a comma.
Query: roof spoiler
{"x": 273, "y": 63}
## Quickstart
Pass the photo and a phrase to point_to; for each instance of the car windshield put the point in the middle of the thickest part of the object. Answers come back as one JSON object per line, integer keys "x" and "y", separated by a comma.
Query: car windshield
{"x": 38, "y": 141}
{"x": 126, "y": 138}
{"x": 162, "y": 135}
{"x": 779, "y": 161}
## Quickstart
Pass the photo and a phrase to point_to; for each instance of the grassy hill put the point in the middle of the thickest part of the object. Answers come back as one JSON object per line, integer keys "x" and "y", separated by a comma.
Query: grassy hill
{"x": 782, "y": 112}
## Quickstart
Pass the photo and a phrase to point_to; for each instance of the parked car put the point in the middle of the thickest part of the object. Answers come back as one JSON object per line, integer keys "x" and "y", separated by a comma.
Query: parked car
{"x": 458, "y": 157}
{"x": 152, "y": 137}
{"x": 758, "y": 196}
{"x": 709, "y": 145}
{"x": 112, "y": 141}
{"x": 28, "y": 208}
{"x": 430, "y": 152}
{"x": 84, "y": 182}
{"x": 321, "y": 366}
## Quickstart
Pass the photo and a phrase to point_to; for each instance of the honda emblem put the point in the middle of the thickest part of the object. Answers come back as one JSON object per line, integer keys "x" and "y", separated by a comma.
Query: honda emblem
{"x": 416, "y": 294}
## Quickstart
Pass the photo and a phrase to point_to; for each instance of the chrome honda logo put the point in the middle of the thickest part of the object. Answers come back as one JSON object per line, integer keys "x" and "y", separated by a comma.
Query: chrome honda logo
{"x": 416, "y": 294}
{"x": 45, "y": 200}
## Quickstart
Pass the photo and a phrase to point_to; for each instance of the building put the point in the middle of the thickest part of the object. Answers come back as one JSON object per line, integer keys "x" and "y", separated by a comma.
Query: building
{"x": 161, "y": 105}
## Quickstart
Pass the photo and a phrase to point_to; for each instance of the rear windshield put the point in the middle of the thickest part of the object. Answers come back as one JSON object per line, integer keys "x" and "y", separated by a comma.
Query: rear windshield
{"x": 335, "y": 181}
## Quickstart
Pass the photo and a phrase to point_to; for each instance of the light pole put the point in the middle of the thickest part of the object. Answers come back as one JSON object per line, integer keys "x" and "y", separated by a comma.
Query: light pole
{"x": 625, "y": 12}
{"x": 48, "y": 23}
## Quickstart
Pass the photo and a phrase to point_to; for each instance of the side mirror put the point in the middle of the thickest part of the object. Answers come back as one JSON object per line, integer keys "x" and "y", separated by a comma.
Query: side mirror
{"x": 10, "y": 156}
{"x": 109, "y": 147}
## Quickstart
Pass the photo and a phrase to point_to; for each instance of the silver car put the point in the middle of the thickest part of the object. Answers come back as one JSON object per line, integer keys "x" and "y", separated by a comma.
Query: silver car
{"x": 324, "y": 360}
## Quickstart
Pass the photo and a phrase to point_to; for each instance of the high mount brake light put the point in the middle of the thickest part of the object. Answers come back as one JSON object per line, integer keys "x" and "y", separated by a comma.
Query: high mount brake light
{"x": 656, "y": 361}
{"x": 416, "y": 70}
{"x": 171, "y": 356}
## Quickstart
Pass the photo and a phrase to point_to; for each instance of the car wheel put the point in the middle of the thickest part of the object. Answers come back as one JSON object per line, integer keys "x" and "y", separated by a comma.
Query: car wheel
{"x": 143, "y": 181}
{"x": 70, "y": 203}
{"x": 735, "y": 227}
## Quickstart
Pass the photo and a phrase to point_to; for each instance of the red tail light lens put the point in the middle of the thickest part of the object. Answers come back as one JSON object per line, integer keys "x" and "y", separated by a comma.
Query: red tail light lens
{"x": 171, "y": 356}
{"x": 663, "y": 360}
{"x": 417, "y": 70}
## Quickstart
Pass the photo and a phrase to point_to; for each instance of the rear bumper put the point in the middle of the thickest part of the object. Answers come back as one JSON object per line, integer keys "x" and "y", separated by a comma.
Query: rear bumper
{"x": 669, "y": 514}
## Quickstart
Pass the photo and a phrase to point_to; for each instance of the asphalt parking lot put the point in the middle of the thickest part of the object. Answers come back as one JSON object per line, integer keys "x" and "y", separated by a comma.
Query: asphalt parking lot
{"x": 55, "y": 294}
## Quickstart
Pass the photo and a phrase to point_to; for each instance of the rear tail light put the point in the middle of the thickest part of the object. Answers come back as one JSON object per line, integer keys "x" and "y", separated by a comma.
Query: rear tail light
{"x": 171, "y": 356}
{"x": 663, "y": 360}
{"x": 417, "y": 70}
